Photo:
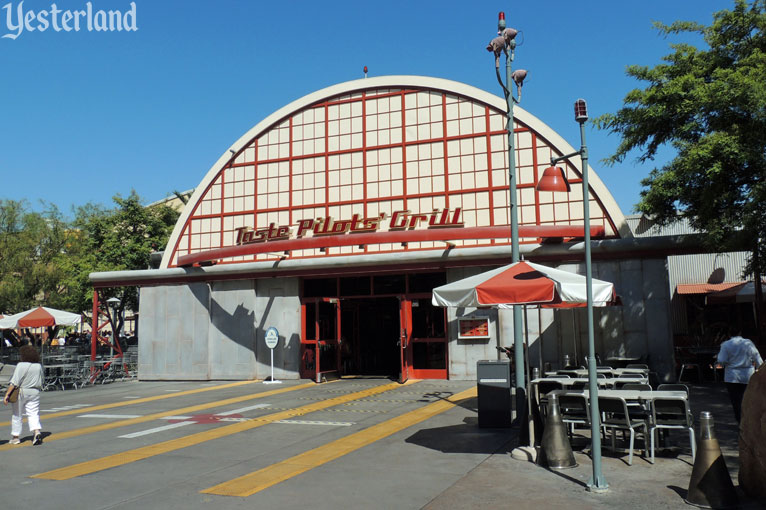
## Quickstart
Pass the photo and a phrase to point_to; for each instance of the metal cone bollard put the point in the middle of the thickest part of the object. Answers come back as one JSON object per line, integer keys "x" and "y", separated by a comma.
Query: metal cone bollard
{"x": 710, "y": 485}
{"x": 556, "y": 450}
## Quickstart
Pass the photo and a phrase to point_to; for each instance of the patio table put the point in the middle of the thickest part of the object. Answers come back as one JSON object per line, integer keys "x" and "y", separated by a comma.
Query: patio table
{"x": 571, "y": 381}
{"x": 614, "y": 372}
{"x": 635, "y": 396}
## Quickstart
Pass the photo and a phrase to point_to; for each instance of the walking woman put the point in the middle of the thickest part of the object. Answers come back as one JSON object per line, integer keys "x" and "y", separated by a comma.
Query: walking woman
{"x": 28, "y": 377}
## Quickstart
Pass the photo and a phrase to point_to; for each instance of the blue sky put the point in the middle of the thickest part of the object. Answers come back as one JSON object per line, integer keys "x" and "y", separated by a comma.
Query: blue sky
{"x": 85, "y": 115}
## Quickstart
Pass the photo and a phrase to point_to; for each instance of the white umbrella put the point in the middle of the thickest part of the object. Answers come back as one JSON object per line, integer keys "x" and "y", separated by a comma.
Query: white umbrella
{"x": 40, "y": 317}
{"x": 523, "y": 283}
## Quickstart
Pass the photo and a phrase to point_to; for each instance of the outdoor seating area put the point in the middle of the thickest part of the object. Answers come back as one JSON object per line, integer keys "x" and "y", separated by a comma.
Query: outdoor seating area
{"x": 68, "y": 363}
{"x": 67, "y": 369}
{"x": 631, "y": 408}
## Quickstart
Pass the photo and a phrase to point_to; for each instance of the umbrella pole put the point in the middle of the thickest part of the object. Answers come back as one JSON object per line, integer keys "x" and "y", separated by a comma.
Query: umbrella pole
{"x": 530, "y": 420}
{"x": 540, "y": 340}
{"x": 575, "y": 335}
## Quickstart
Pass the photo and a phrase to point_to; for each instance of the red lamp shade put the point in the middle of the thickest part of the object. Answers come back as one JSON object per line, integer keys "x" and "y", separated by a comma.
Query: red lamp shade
{"x": 553, "y": 179}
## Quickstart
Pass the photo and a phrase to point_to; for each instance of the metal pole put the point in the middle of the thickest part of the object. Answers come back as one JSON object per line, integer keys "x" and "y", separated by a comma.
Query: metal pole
{"x": 518, "y": 340}
{"x": 94, "y": 332}
{"x": 597, "y": 483}
{"x": 114, "y": 332}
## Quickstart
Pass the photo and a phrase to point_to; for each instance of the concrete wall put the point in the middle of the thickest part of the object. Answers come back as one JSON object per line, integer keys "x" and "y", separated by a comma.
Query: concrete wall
{"x": 216, "y": 331}
{"x": 640, "y": 327}
{"x": 231, "y": 337}
{"x": 277, "y": 305}
{"x": 463, "y": 354}
{"x": 173, "y": 332}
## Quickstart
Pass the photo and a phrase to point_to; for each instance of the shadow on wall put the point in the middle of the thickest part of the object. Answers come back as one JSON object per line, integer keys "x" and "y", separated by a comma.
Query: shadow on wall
{"x": 262, "y": 324}
{"x": 238, "y": 326}
{"x": 565, "y": 332}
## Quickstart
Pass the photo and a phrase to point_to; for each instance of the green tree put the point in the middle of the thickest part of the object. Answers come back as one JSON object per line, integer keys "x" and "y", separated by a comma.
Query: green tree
{"x": 46, "y": 261}
{"x": 709, "y": 105}
{"x": 30, "y": 246}
{"x": 115, "y": 240}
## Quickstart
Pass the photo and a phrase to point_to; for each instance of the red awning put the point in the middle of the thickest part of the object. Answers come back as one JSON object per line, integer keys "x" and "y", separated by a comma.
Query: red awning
{"x": 704, "y": 288}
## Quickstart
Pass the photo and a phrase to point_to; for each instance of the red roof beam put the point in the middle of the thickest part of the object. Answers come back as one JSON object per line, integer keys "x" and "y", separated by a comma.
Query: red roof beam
{"x": 398, "y": 236}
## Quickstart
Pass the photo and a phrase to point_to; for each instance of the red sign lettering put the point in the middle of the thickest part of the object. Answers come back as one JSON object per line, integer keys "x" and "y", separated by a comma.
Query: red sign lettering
{"x": 400, "y": 220}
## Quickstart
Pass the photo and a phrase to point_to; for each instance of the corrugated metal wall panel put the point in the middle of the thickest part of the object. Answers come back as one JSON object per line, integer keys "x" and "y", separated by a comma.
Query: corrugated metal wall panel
{"x": 698, "y": 268}
{"x": 641, "y": 226}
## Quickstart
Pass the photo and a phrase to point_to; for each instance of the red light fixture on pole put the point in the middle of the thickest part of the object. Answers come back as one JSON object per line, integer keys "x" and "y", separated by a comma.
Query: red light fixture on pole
{"x": 553, "y": 179}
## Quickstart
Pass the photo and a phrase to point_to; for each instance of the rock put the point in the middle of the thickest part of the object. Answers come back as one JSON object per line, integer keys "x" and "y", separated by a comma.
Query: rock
{"x": 752, "y": 431}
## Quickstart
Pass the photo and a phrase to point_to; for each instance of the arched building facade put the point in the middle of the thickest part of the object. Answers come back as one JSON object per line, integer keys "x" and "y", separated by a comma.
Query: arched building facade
{"x": 332, "y": 219}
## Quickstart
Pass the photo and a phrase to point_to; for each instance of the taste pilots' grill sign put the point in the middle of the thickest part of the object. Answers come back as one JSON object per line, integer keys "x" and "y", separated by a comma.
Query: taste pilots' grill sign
{"x": 399, "y": 220}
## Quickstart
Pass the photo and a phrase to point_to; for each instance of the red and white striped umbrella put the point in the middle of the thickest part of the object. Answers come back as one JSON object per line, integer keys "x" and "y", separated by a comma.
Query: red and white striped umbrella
{"x": 40, "y": 317}
{"x": 523, "y": 283}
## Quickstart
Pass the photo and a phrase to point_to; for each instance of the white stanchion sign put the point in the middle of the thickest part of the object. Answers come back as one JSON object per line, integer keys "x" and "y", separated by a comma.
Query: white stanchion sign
{"x": 272, "y": 339}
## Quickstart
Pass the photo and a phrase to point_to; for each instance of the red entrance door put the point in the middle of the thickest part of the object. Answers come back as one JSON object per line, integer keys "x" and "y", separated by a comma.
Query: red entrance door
{"x": 428, "y": 346}
{"x": 320, "y": 347}
{"x": 405, "y": 336}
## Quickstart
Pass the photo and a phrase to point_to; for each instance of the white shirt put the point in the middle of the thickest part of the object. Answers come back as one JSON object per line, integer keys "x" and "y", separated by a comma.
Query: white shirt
{"x": 28, "y": 375}
{"x": 737, "y": 355}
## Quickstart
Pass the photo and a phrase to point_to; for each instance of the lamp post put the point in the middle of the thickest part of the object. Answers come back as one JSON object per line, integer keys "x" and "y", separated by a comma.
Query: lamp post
{"x": 553, "y": 179}
{"x": 505, "y": 43}
{"x": 113, "y": 303}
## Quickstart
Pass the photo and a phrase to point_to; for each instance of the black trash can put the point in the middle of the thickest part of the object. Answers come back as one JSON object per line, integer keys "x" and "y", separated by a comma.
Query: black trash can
{"x": 493, "y": 378}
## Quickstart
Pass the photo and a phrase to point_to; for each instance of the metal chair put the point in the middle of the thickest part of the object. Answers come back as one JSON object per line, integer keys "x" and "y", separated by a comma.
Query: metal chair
{"x": 615, "y": 416}
{"x": 606, "y": 371}
{"x": 574, "y": 411}
{"x": 637, "y": 386}
{"x": 543, "y": 388}
{"x": 671, "y": 413}
{"x": 690, "y": 365}
{"x": 621, "y": 381}
{"x": 674, "y": 387}
{"x": 638, "y": 366}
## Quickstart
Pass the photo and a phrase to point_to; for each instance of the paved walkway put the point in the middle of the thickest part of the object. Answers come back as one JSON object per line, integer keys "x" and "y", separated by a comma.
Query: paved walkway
{"x": 347, "y": 444}
{"x": 503, "y": 482}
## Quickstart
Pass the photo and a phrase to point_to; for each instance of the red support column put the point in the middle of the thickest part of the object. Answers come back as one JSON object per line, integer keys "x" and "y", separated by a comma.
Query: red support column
{"x": 94, "y": 330}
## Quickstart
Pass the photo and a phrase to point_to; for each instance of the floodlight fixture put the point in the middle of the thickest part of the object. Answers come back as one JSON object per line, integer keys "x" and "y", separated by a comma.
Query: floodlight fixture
{"x": 518, "y": 77}
{"x": 509, "y": 34}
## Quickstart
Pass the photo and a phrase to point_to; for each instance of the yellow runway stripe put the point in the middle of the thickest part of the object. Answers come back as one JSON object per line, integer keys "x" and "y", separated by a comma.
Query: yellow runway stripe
{"x": 256, "y": 481}
{"x": 119, "y": 459}
{"x": 137, "y": 401}
{"x": 156, "y": 416}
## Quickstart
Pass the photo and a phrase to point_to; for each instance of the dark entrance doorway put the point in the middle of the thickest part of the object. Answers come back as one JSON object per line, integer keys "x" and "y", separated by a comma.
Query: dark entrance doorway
{"x": 375, "y": 325}
{"x": 370, "y": 338}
